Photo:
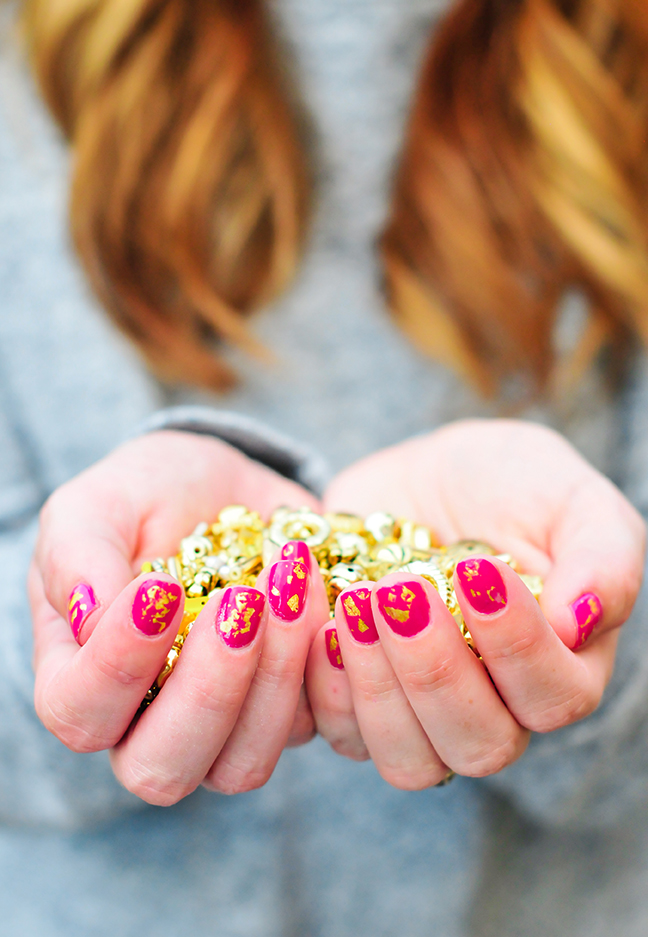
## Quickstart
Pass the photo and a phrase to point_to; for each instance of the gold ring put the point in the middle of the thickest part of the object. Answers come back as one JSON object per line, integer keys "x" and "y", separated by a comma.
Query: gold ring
{"x": 450, "y": 776}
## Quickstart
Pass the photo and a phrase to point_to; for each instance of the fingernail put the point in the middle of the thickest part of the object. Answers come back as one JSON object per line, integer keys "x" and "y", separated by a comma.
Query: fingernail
{"x": 239, "y": 615}
{"x": 405, "y": 607}
{"x": 482, "y": 585}
{"x": 333, "y": 648}
{"x": 587, "y": 611}
{"x": 296, "y": 550}
{"x": 356, "y": 605}
{"x": 288, "y": 582}
{"x": 156, "y": 602}
{"x": 82, "y": 603}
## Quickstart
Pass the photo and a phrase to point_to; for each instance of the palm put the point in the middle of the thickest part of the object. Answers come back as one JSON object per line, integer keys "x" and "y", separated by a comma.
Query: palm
{"x": 515, "y": 485}
{"x": 154, "y": 491}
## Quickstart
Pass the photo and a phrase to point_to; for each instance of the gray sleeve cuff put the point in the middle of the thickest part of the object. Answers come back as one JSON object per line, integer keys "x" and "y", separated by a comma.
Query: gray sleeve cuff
{"x": 283, "y": 455}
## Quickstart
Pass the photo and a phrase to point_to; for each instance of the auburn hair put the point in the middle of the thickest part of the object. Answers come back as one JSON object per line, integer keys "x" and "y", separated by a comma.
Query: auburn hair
{"x": 524, "y": 171}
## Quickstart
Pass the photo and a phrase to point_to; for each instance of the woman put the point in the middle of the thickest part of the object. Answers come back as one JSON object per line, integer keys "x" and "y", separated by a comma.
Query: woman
{"x": 188, "y": 206}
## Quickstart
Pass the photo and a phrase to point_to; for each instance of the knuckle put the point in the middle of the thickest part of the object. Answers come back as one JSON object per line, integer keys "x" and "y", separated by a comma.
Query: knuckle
{"x": 303, "y": 737}
{"x": 519, "y": 647}
{"x": 228, "y": 778}
{"x": 68, "y": 727}
{"x": 124, "y": 674}
{"x": 498, "y": 756}
{"x": 415, "y": 778}
{"x": 275, "y": 672}
{"x": 207, "y": 696}
{"x": 344, "y": 737}
{"x": 369, "y": 690}
{"x": 562, "y": 712}
{"x": 302, "y": 731}
{"x": 354, "y": 750}
{"x": 152, "y": 785}
{"x": 438, "y": 675}
{"x": 342, "y": 733}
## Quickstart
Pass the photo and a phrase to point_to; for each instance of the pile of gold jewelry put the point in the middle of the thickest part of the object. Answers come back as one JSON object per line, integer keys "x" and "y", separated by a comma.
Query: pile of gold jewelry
{"x": 234, "y": 550}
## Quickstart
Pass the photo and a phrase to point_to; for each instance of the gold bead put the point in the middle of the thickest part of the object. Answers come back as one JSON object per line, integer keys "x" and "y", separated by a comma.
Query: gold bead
{"x": 394, "y": 553}
{"x": 345, "y": 523}
{"x": 304, "y": 525}
{"x": 232, "y": 515}
{"x": 347, "y": 548}
{"x": 433, "y": 574}
{"x": 381, "y": 526}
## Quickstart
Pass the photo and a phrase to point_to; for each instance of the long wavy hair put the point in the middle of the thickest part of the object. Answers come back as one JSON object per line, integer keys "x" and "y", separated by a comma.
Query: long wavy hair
{"x": 524, "y": 171}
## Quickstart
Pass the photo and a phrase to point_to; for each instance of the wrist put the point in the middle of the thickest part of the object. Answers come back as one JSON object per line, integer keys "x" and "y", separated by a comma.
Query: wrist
{"x": 262, "y": 444}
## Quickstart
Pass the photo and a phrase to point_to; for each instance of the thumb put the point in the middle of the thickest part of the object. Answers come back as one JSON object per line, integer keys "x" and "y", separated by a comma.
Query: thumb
{"x": 598, "y": 553}
{"x": 83, "y": 560}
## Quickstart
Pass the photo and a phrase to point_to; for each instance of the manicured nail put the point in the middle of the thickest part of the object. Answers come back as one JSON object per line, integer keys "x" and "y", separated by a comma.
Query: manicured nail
{"x": 356, "y": 605}
{"x": 287, "y": 582}
{"x": 156, "y": 602}
{"x": 82, "y": 603}
{"x": 333, "y": 648}
{"x": 239, "y": 615}
{"x": 296, "y": 550}
{"x": 405, "y": 607}
{"x": 482, "y": 585}
{"x": 587, "y": 611}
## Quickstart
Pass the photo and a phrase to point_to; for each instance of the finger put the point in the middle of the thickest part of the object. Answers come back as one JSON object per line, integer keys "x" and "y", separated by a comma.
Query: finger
{"x": 297, "y": 604}
{"x": 398, "y": 745}
{"x": 543, "y": 683}
{"x": 52, "y": 635}
{"x": 598, "y": 553}
{"x": 329, "y": 692}
{"x": 303, "y": 727}
{"x": 446, "y": 685}
{"x": 88, "y": 696}
{"x": 83, "y": 559}
{"x": 94, "y": 527}
{"x": 173, "y": 745}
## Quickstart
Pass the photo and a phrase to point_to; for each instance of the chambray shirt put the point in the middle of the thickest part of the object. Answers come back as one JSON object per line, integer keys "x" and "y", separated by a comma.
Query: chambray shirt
{"x": 557, "y": 844}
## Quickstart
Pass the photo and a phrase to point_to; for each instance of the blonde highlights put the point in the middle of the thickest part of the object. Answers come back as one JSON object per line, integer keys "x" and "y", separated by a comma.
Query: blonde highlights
{"x": 524, "y": 171}
{"x": 189, "y": 189}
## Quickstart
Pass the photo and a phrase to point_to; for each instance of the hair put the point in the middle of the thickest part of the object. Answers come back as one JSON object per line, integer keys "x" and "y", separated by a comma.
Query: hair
{"x": 524, "y": 171}
{"x": 189, "y": 189}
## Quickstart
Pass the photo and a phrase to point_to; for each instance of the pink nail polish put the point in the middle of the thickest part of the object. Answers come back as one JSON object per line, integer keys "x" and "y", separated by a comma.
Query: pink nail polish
{"x": 82, "y": 603}
{"x": 156, "y": 602}
{"x": 356, "y": 605}
{"x": 239, "y": 615}
{"x": 287, "y": 585}
{"x": 587, "y": 611}
{"x": 482, "y": 585}
{"x": 333, "y": 648}
{"x": 405, "y": 607}
{"x": 296, "y": 550}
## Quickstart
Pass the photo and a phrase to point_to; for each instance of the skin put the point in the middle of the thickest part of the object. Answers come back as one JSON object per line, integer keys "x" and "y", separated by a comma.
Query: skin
{"x": 417, "y": 706}
{"x": 208, "y": 723}
{"x": 420, "y": 705}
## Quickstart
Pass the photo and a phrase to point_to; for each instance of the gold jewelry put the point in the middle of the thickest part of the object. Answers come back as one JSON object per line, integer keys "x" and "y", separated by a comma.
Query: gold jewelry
{"x": 450, "y": 776}
{"x": 234, "y": 550}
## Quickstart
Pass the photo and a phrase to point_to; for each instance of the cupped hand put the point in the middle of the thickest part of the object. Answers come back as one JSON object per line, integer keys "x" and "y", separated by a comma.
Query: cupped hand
{"x": 101, "y": 637}
{"x": 412, "y": 695}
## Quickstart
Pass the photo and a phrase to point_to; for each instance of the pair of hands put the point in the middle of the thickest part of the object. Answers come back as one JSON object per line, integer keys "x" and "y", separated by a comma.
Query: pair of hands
{"x": 417, "y": 704}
